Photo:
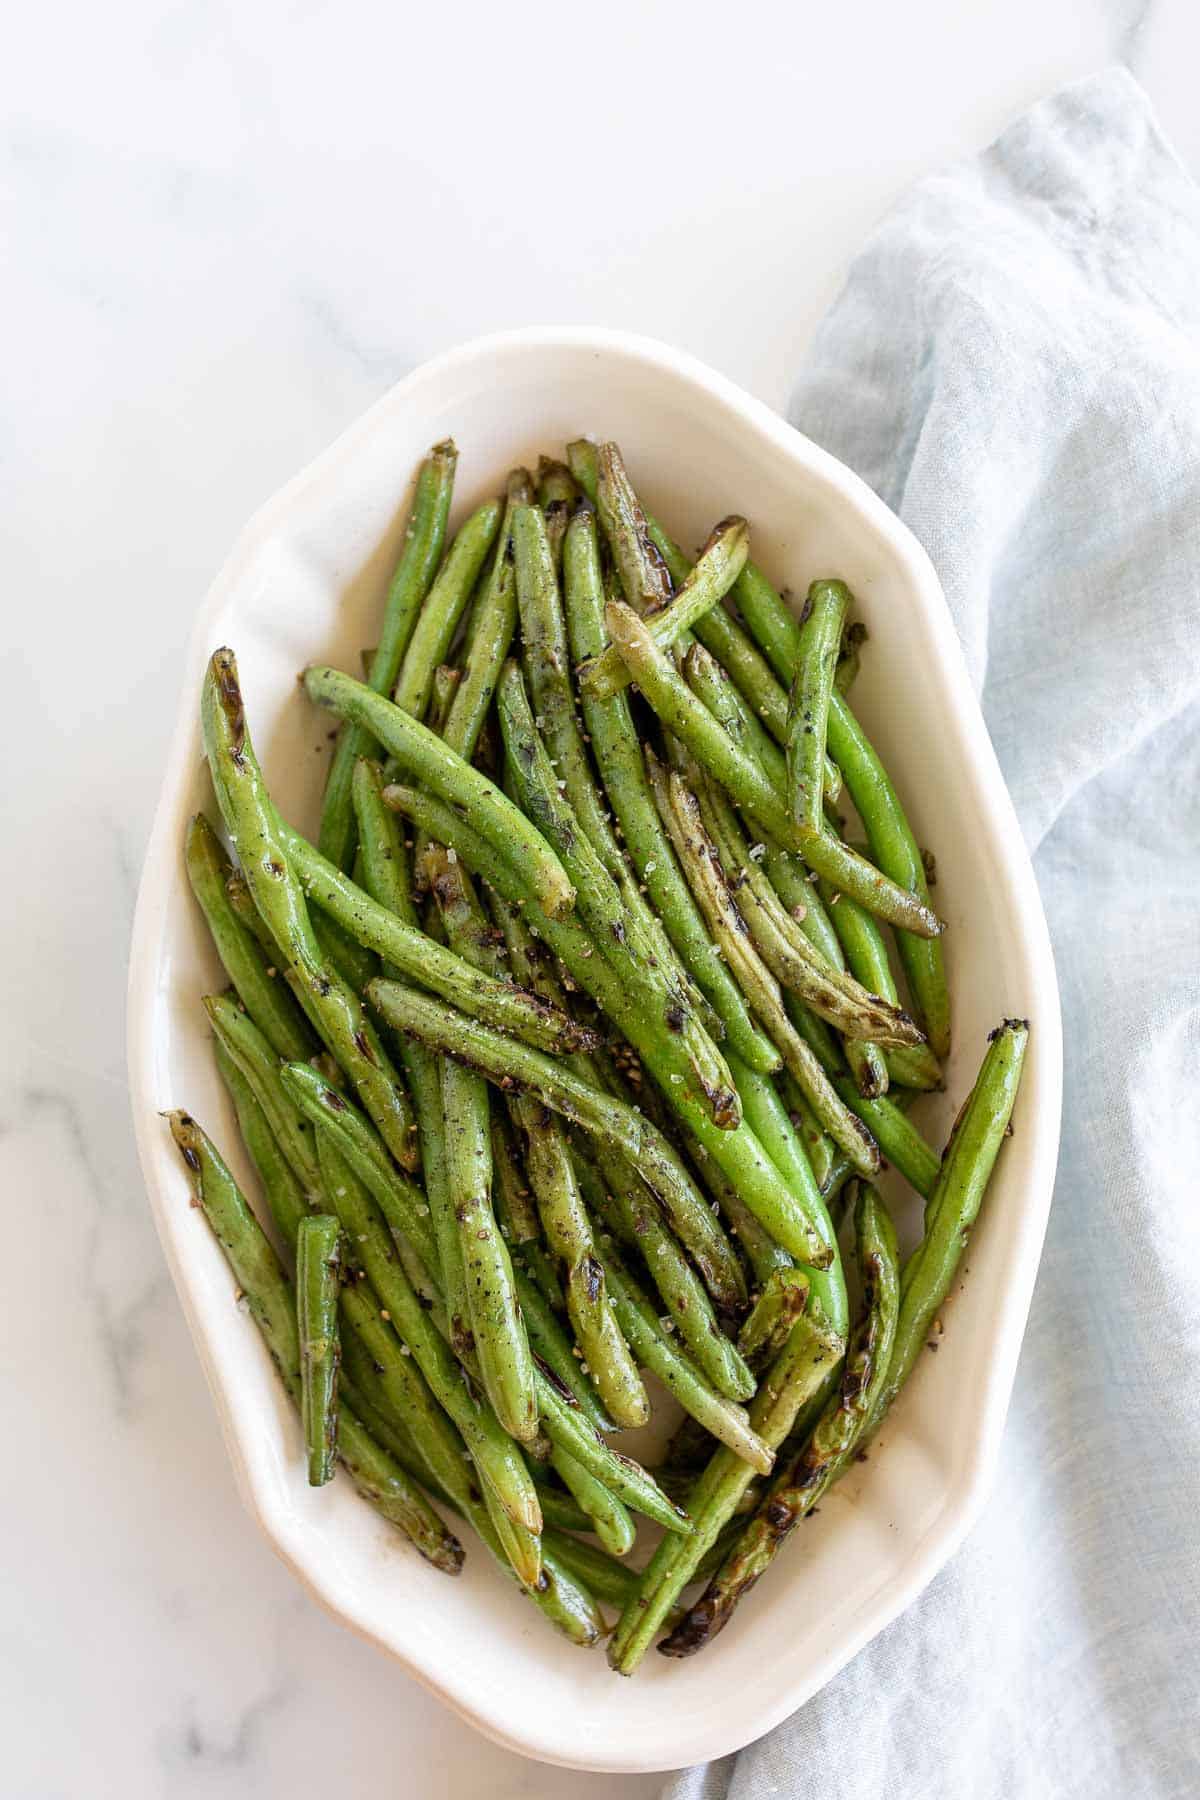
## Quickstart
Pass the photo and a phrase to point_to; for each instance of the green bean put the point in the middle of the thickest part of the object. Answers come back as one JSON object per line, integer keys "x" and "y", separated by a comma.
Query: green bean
{"x": 709, "y": 682}
{"x": 264, "y": 997}
{"x": 602, "y": 1575}
{"x": 799, "y": 1485}
{"x": 278, "y": 894}
{"x": 415, "y": 571}
{"x": 492, "y": 626}
{"x": 342, "y": 1132}
{"x": 260, "y": 1277}
{"x": 554, "y": 1351}
{"x": 568, "y": 1230}
{"x": 602, "y": 912}
{"x": 915, "y": 1066}
{"x": 551, "y": 1177}
{"x": 610, "y": 725}
{"x": 681, "y": 815}
{"x": 566, "y": 1600}
{"x": 953, "y": 1206}
{"x": 420, "y": 753}
{"x": 768, "y": 1325}
{"x": 761, "y": 1250}
{"x": 716, "y": 570}
{"x": 897, "y": 1137}
{"x": 615, "y": 1195}
{"x": 445, "y": 685}
{"x": 731, "y": 647}
{"x": 285, "y": 1197}
{"x": 556, "y": 495}
{"x": 507, "y": 1487}
{"x": 682, "y": 713}
{"x": 509, "y": 1065}
{"x": 583, "y": 460}
{"x": 607, "y": 1517}
{"x": 818, "y": 1147}
{"x": 808, "y": 702}
{"x": 876, "y": 801}
{"x": 846, "y": 673}
{"x": 857, "y": 1011}
{"x": 318, "y": 1264}
{"x": 442, "y": 609}
{"x": 561, "y": 1599}
{"x": 389, "y": 1379}
{"x": 894, "y": 849}
{"x": 558, "y": 1508}
{"x": 643, "y": 573}
{"x": 351, "y": 961}
{"x": 237, "y": 892}
{"x": 421, "y": 958}
{"x": 723, "y": 1418}
{"x": 796, "y": 1373}
{"x": 514, "y": 1202}
{"x": 386, "y": 875}
{"x": 398, "y": 1198}
{"x": 771, "y": 1122}
{"x": 249, "y": 1051}
{"x": 383, "y": 1425}
{"x": 496, "y": 1326}
{"x": 737, "y": 1154}
{"x": 547, "y": 663}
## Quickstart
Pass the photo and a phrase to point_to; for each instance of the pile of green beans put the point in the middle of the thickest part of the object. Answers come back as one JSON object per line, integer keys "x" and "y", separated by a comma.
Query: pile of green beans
{"x": 560, "y": 1047}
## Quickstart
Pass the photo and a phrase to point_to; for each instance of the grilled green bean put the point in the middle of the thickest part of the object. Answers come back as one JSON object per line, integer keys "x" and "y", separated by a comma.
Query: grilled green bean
{"x": 278, "y": 894}
{"x": 510, "y": 1065}
{"x": 443, "y": 606}
{"x": 681, "y": 814}
{"x": 260, "y": 991}
{"x": 492, "y": 626}
{"x": 723, "y": 1418}
{"x": 421, "y": 958}
{"x": 285, "y": 1197}
{"x": 268, "y": 1296}
{"x": 497, "y": 1329}
{"x": 808, "y": 703}
{"x": 618, "y": 753}
{"x": 318, "y": 1264}
{"x": 798, "y": 1371}
{"x": 954, "y": 1204}
{"x": 768, "y": 1324}
{"x": 737, "y": 1154}
{"x": 682, "y": 713}
{"x": 876, "y": 801}
{"x": 418, "y": 563}
{"x": 716, "y": 570}
{"x": 614, "y": 1194}
{"x": 832, "y": 1446}
{"x": 613, "y": 929}
{"x": 606, "y": 1515}
{"x": 897, "y": 1137}
{"x": 643, "y": 573}
{"x": 422, "y": 754}
{"x": 507, "y": 1487}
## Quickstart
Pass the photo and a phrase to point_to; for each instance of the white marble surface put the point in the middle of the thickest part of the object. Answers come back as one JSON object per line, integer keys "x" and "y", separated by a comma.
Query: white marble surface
{"x": 228, "y": 230}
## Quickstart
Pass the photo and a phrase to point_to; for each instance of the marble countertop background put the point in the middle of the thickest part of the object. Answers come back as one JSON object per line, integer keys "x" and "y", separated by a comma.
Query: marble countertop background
{"x": 228, "y": 230}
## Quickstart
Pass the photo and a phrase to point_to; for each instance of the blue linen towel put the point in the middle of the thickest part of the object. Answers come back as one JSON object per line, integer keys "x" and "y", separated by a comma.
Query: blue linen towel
{"x": 1015, "y": 367}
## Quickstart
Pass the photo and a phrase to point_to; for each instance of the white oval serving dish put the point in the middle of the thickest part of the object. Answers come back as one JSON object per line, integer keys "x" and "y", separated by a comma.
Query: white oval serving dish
{"x": 305, "y": 582}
